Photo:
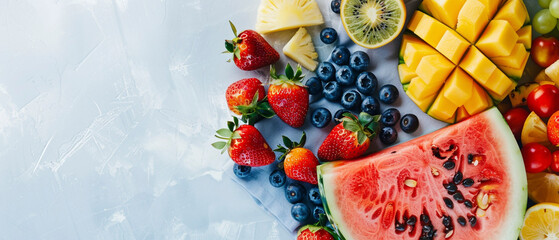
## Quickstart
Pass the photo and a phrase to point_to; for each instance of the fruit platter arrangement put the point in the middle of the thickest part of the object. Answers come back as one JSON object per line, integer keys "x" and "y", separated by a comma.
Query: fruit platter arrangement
{"x": 485, "y": 70}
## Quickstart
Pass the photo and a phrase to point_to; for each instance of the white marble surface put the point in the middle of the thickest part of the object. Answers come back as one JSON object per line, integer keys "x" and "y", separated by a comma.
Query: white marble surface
{"x": 107, "y": 112}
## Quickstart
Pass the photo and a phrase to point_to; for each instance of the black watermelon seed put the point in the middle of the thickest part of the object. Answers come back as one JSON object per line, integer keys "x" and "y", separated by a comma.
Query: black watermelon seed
{"x": 468, "y": 182}
{"x": 400, "y": 227}
{"x": 411, "y": 221}
{"x": 462, "y": 221}
{"x": 450, "y": 187}
{"x": 458, "y": 177}
{"x": 437, "y": 152}
{"x": 446, "y": 221}
{"x": 449, "y": 165}
{"x": 448, "y": 203}
{"x": 472, "y": 220}
{"x": 427, "y": 228}
{"x": 468, "y": 203}
{"x": 424, "y": 218}
{"x": 470, "y": 158}
{"x": 458, "y": 197}
{"x": 431, "y": 234}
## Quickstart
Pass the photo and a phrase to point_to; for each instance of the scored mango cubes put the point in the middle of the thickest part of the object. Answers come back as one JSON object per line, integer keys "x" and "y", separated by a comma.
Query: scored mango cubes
{"x": 514, "y": 12}
{"x": 498, "y": 39}
{"x": 445, "y": 10}
{"x": 458, "y": 87}
{"x": 472, "y": 19}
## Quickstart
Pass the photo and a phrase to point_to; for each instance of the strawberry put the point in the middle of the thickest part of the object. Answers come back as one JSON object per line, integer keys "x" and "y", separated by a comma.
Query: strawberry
{"x": 246, "y": 97}
{"x": 350, "y": 138}
{"x": 245, "y": 144}
{"x": 250, "y": 50}
{"x": 312, "y": 232}
{"x": 299, "y": 163}
{"x": 288, "y": 96}
{"x": 553, "y": 129}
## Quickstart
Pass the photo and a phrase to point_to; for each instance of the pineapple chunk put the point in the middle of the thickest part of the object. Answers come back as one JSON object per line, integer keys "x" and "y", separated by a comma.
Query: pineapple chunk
{"x": 301, "y": 49}
{"x": 525, "y": 36}
{"x": 514, "y": 60}
{"x": 553, "y": 72}
{"x": 406, "y": 74}
{"x": 498, "y": 39}
{"x": 458, "y": 87}
{"x": 443, "y": 109}
{"x": 472, "y": 20}
{"x": 514, "y": 12}
{"x": 519, "y": 95}
{"x": 445, "y": 10}
{"x": 278, "y": 15}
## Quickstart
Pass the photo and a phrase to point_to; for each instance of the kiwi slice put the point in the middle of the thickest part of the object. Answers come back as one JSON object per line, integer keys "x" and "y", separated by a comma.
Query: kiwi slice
{"x": 373, "y": 23}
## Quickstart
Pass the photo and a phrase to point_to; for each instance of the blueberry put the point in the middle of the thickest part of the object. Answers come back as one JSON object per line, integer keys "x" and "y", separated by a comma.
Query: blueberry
{"x": 409, "y": 123}
{"x": 321, "y": 117}
{"x": 328, "y": 35}
{"x": 294, "y": 192}
{"x": 370, "y": 105}
{"x": 367, "y": 83}
{"x": 345, "y": 76}
{"x": 390, "y": 117}
{"x": 388, "y": 135}
{"x": 340, "y": 55}
{"x": 326, "y": 72}
{"x": 335, "y": 6}
{"x": 314, "y": 196}
{"x": 300, "y": 212}
{"x": 316, "y": 212}
{"x": 332, "y": 91}
{"x": 359, "y": 61}
{"x": 339, "y": 115}
{"x": 388, "y": 94}
{"x": 314, "y": 86}
{"x": 241, "y": 171}
{"x": 351, "y": 99}
{"x": 277, "y": 178}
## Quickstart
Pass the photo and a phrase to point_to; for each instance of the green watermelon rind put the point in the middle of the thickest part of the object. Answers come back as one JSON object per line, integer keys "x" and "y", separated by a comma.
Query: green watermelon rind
{"x": 518, "y": 196}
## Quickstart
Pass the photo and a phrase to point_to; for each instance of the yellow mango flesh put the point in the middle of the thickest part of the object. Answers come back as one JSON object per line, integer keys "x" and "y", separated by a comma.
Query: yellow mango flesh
{"x": 415, "y": 52}
{"x": 452, "y": 46}
{"x": 492, "y": 6}
{"x": 442, "y": 108}
{"x": 516, "y": 73}
{"x": 498, "y": 39}
{"x": 501, "y": 96}
{"x": 514, "y": 12}
{"x": 458, "y": 87}
{"x": 498, "y": 83}
{"x": 434, "y": 70}
{"x": 444, "y": 10}
{"x": 472, "y": 19}
{"x": 406, "y": 74}
{"x": 419, "y": 89}
{"x": 525, "y": 36}
{"x": 477, "y": 65}
{"x": 405, "y": 40}
{"x": 478, "y": 102}
{"x": 422, "y": 103}
{"x": 514, "y": 60}
{"x": 427, "y": 28}
{"x": 461, "y": 114}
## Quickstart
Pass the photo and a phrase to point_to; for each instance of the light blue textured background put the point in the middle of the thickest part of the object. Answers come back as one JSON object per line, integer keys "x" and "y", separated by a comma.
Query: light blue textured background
{"x": 107, "y": 112}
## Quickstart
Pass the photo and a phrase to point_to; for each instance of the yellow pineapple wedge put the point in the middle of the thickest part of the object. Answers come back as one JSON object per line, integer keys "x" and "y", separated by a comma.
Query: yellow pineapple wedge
{"x": 553, "y": 72}
{"x": 301, "y": 49}
{"x": 278, "y": 15}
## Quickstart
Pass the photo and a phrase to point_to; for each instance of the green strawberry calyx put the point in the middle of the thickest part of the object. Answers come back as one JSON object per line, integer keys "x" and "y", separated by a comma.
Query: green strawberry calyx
{"x": 291, "y": 77}
{"x": 288, "y": 145}
{"x": 366, "y": 125}
{"x": 231, "y": 45}
{"x": 320, "y": 225}
{"x": 256, "y": 110}
{"x": 227, "y": 134}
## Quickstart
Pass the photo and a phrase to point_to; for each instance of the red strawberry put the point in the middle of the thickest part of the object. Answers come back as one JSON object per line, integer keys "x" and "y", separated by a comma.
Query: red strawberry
{"x": 246, "y": 145}
{"x": 246, "y": 97}
{"x": 349, "y": 139}
{"x": 288, "y": 96}
{"x": 553, "y": 129}
{"x": 311, "y": 232}
{"x": 250, "y": 50}
{"x": 300, "y": 163}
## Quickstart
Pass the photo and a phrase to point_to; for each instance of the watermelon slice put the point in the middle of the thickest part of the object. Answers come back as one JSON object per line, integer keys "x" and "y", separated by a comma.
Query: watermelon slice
{"x": 466, "y": 181}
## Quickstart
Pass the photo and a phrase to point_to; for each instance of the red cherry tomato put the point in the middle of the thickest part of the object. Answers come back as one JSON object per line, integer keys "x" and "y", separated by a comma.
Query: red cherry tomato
{"x": 516, "y": 118}
{"x": 536, "y": 157}
{"x": 555, "y": 162}
{"x": 545, "y": 51}
{"x": 553, "y": 129}
{"x": 544, "y": 100}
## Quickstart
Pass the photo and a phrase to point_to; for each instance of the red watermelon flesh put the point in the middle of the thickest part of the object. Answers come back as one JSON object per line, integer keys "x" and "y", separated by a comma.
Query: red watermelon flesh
{"x": 379, "y": 196}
